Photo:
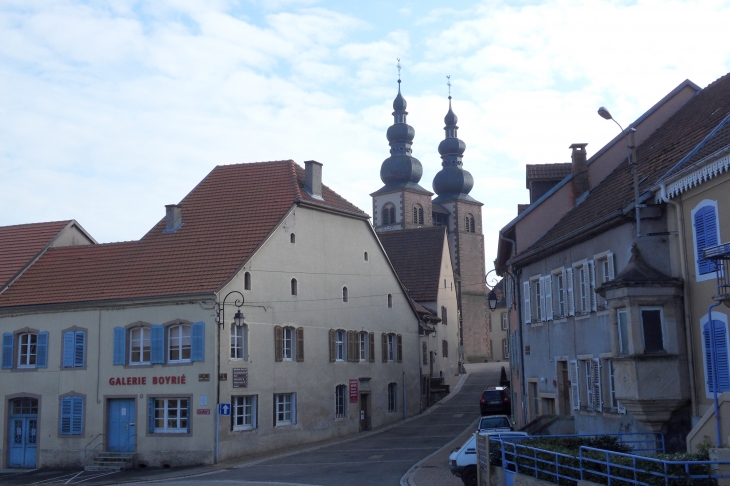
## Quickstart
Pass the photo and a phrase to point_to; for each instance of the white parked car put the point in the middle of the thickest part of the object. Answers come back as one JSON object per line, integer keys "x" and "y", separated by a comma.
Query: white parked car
{"x": 494, "y": 423}
{"x": 463, "y": 461}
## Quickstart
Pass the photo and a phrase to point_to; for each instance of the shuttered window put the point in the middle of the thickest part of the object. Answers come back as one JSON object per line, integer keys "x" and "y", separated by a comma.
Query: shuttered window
{"x": 74, "y": 349}
{"x": 723, "y": 366}
{"x": 574, "y": 384}
{"x": 72, "y": 415}
{"x": 705, "y": 229}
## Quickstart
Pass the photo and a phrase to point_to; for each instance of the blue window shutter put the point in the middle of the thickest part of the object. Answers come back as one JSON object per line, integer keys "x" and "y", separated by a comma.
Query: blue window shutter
{"x": 706, "y": 233}
{"x": 41, "y": 360}
{"x": 80, "y": 349}
{"x": 723, "y": 364}
{"x": 157, "y": 344}
{"x": 68, "y": 349}
{"x": 198, "y": 344}
{"x": 120, "y": 345}
{"x": 8, "y": 350}
{"x": 151, "y": 415}
{"x": 65, "y": 415}
{"x": 77, "y": 415}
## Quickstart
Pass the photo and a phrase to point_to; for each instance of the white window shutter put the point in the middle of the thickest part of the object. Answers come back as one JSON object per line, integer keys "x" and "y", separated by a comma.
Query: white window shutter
{"x": 597, "y": 395}
{"x": 609, "y": 259}
{"x": 549, "y": 297}
{"x": 568, "y": 284}
{"x": 592, "y": 283}
{"x": 574, "y": 388}
{"x": 527, "y": 311}
{"x": 590, "y": 405}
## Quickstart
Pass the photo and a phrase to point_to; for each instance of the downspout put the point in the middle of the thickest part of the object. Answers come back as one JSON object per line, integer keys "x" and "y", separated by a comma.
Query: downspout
{"x": 687, "y": 303}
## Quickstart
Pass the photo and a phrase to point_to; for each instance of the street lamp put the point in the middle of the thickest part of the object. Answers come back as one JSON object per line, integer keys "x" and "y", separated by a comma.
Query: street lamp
{"x": 221, "y": 320}
{"x": 631, "y": 154}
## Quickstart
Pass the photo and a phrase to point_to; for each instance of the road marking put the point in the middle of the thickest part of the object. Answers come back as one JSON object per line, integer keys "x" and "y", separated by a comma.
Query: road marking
{"x": 77, "y": 475}
{"x": 377, "y": 456}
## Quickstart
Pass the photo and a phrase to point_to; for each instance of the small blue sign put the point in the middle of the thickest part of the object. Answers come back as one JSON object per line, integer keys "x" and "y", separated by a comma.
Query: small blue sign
{"x": 225, "y": 408}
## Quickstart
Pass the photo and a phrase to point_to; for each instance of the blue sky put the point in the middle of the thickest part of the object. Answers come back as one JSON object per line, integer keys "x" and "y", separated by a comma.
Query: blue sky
{"x": 110, "y": 110}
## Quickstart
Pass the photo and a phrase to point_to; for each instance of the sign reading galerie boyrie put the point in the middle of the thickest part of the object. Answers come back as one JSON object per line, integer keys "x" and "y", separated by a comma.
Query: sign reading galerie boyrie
{"x": 353, "y": 391}
{"x": 142, "y": 380}
{"x": 240, "y": 377}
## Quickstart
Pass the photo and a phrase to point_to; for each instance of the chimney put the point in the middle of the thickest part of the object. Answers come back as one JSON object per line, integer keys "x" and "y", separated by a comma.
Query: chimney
{"x": 580, "y": 170}
{"x": 313, "y": 178}
{"x": 173, "y": 218}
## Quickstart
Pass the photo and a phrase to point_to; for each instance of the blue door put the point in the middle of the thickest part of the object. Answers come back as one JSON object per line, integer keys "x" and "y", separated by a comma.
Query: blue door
{"x": 23, "y": 432}
{"x": 122, "y": 426}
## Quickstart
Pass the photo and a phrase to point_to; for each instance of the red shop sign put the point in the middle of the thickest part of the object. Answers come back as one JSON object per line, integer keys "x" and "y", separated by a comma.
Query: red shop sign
{"x": 353, "y": 391}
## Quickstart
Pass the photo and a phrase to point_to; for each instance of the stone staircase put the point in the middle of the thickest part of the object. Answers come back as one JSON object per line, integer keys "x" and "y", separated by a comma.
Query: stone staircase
{"x": 113, "y": 461}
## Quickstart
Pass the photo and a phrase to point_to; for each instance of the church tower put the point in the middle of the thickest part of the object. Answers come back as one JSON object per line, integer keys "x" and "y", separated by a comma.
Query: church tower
{"x": 462, "y": 214}
{"x": 401, "y": 203}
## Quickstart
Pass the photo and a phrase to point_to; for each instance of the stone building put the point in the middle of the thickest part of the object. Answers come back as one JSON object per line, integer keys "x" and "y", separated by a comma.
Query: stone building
{"x": 263, "y": 292}
{"x": 403, "y": 204}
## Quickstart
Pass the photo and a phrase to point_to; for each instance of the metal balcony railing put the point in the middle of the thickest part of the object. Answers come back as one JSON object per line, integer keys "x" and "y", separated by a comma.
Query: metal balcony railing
{"x": 720, "y": 256}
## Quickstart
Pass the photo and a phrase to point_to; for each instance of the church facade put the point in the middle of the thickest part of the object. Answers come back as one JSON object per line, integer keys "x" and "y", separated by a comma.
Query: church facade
{"x": 402, "y": 203}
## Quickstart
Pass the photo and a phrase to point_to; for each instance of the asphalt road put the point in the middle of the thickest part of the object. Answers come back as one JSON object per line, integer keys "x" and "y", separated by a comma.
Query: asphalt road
{"x": 380, "y": 458}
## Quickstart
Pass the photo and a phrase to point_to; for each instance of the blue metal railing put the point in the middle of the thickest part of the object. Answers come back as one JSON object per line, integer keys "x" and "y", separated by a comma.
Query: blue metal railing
{"x": 650, "y": 442}
{"x": 598, "y": 465}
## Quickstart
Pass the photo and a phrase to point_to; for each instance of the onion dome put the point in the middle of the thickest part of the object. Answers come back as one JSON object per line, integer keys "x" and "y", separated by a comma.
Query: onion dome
{"x": 400, "y": 168}
{"x": 452, "y": 181}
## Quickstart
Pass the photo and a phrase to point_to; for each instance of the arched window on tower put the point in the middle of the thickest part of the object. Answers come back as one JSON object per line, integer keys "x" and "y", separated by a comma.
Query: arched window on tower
{"x": 469, "y": 224}
{"x": 388, "y": 214}
{"x": 418, "y": 214}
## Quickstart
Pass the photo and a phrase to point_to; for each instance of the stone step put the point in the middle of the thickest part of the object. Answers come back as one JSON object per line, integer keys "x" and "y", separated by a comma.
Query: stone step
{"x": 103, "y": 468}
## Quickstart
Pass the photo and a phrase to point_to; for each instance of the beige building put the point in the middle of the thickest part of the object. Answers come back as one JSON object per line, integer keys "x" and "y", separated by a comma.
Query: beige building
{"x": 499, "y": 327}
{"x": 262, "y": 277}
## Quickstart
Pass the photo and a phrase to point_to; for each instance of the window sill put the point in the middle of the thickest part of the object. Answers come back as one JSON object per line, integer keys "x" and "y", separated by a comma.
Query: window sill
{"x": 580, "y": 317}
{"x": 169, "y": 434}
{"x": 536, "y": 324}
{"x": 73, "y": 368}
{"x": 243, "y": 429}
{"x": 24, "y": 369}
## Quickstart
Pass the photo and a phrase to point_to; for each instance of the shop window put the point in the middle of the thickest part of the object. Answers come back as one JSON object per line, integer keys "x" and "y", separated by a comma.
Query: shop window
{"x": 243, "y": 412}
{"x": 169, "y": 415}
{"x": 149, "y": 344}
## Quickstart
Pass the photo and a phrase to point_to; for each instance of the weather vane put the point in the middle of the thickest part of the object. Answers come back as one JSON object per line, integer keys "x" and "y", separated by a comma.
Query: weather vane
{"x": 448, "y": 83}
{"x": 398, "y": 58}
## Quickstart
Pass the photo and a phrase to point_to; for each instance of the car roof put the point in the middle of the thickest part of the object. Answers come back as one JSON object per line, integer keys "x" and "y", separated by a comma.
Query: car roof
{"x": 491, "y": 388}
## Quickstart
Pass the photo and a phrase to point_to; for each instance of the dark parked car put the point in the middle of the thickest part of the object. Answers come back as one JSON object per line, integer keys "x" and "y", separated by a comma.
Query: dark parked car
{"x": 495, "y": 400}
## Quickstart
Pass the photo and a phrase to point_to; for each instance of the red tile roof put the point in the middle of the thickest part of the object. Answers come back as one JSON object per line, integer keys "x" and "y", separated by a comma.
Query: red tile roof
{"x": 21, "y": 244}
{"x": 416, "y": 257}
{"x": 664, "y": 148}
{"x": 225, "y": 218}
{"x": 547, "y": 172}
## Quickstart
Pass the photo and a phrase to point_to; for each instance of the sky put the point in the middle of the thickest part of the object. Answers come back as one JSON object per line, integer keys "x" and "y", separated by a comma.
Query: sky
{"x": 110, "y": 110}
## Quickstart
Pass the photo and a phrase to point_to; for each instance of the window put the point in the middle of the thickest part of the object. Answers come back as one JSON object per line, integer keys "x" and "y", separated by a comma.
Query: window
{"x": 603, "y": 265}
{"x": 345, "y": 297}
{"x": 505, "y": 348}
{"x": 149, "y": 344}
{"x": 622, "y": 317}
{"x": 651, "y": 323}
{"x": 139, "y": 346}
{"x": 721, "y": 344}
{"x": 593, "y": 384}
{"x": 292, "y": 238}
{"x": 615, "y": 404}
{"x": 392, "y": 397}
{"x": 285, "y": 409}
{"x": 363, "y": 345}
{"x": 706, "y": 234}
{"x": 559, "y": 293}
{"x": 390, "y": 301}
{"x": 469, "y": 224}
{"x": 72, "y": 415}
{"x": 289, "y": 343}
{"x": 32, "y": 350}
{"x": 247, "y": 281}
{"x": 574, "y": 384}
{"x": 392, "y": 347}
{"x": 74, "y": 349}
{"x": 239, "y": 342}
{"x": 424, "y": 349}
{"x": 179, "y": 346}
{"x": 340, "y": 401}
{"x": 340, "y": 354}
{"x": 585, "y": 298}
{"x": 169, "y": 415}
{"x": 388, "y": 214}
{"x": 294, "y": 286}
{"x": 243, "y": 412}
{"x": 537, "y": 297}
{"x": 365, "y": 256}
{"x": 444, "y": 315}
{"x": 445, "y": 348}
{"x": 418, "y": 214}
{"x": 503, "y": 317}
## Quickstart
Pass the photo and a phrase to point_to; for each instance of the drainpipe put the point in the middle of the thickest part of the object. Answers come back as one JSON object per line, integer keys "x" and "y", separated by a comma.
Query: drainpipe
{"x": 713, "y": 358}
{"x": 687, "y": 303}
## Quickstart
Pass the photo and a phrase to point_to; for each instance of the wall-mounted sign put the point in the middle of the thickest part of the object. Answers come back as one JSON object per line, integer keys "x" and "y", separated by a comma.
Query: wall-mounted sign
{"x": 353, "y": 391}
{"x": 203, "y": 411}
{"x": 204, "y": 377}
{"x": 142, "y": 380}
{"x": 240, "y": 377}
{"x": 222, "y": 376}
